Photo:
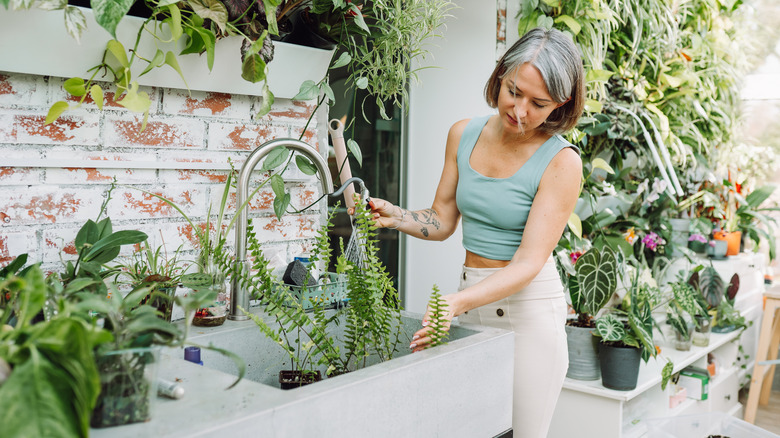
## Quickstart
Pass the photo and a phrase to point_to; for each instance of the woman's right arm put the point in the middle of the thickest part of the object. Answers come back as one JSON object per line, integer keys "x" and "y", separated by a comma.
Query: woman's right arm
{"x": 440, "y": 220}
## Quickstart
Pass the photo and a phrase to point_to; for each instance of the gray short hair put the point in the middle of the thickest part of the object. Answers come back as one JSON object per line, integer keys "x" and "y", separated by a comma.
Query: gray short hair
{"x": 559, "y": 61}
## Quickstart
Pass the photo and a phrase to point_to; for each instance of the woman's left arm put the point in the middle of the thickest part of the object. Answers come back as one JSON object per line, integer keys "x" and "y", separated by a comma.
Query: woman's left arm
{"x": 553, "y": 204}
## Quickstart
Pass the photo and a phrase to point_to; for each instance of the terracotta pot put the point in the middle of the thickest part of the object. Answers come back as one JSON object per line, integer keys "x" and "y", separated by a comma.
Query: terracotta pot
{"x": 733, "y": 239}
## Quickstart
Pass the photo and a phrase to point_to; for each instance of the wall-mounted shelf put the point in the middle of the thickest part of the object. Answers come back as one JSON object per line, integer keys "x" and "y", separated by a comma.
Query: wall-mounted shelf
{"x": 35, "y": 41}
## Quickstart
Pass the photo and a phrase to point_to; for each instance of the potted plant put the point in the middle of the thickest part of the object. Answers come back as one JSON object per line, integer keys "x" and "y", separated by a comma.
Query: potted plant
{"x": 754, "y": 221}
{"x": 686, "y": 310}
{"x": 726, "y": 318}
{"x": 158, "y": 271}
{"x": 48, "y": 379}
{"x": 590, "y": 283}
{"x": 627, "y": 337}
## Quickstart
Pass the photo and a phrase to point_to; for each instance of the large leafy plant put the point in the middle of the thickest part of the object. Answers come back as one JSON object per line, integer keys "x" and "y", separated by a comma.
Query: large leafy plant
{"x": 591, "y": 282}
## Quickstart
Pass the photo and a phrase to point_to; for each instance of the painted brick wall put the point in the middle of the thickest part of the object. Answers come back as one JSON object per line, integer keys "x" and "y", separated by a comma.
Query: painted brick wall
{"x": 55, "y": 177}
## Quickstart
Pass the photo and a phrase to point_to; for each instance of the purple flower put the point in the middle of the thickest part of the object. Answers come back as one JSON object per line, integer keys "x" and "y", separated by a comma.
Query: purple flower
{"x": 652, "y": 240}
{"x": 698, "y": 238}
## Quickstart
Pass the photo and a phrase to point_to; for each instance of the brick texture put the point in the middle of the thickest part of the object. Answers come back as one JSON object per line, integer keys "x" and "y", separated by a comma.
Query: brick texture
{"x": 62, "y": 172}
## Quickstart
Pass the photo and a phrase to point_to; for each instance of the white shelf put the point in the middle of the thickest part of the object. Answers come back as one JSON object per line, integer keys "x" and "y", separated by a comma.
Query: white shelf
{"x": 650, "y": 373}
{"x": 35, "y": 41}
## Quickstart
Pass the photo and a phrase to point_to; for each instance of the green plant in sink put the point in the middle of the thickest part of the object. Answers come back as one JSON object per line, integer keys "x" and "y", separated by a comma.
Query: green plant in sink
{"x": 371, "y": 320}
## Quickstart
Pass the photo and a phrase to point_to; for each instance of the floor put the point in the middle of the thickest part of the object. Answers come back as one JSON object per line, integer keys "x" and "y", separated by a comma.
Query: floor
{"x": 768, "y": 417}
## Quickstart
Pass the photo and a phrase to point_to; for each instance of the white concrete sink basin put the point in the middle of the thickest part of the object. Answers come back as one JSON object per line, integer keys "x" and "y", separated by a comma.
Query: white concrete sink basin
{"x": 462, "y": 389}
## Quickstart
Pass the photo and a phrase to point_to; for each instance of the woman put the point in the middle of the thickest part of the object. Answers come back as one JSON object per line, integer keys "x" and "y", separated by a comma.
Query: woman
{"x": 514, "y": 182}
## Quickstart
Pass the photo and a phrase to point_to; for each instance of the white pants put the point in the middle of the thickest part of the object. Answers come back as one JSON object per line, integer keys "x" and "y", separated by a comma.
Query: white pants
{"x": 541, "y": 354}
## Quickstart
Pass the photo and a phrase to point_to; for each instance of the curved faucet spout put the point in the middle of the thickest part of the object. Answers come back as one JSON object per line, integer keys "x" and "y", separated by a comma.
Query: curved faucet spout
{"x": 240, "y": 295}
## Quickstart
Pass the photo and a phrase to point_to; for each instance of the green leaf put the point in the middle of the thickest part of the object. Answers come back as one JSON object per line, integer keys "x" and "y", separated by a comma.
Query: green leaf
{"x": 275, "y": 158}
{"x": 115, "y": 240}
{"x": 254, "y": 68}
{"x": 212, "y": 10}
{"x": 308, "y": 91}
{"x": 570, "y": 22}
{"x": 610, "y": 328}
{"x": 759, "y": 195}
{"x": 75, "y": 22}
{"x": 108, "y": 13}
{"x": 170, "y": 59}
{"x": 597, "y": 278}
{"x": 328, "y": 92}
{"x": 56, "y": 111}
{"x": 343, "y": 60}
{"x": 599, "y": 163}
{"x": 117, "y": 50}
{"x": 575, "y": 225}
{"x": 157, "y": 61}
{"x": 136, "y": 101}
{"x": 598, "y": 75}
{"x": 37, "y": 399}
{"x": 96, "y": 93}
{"x": 175, "y": 21}
{"x": 666, "y": 373}
{"x": 267, "y": 102}
{"x": 305, "y": 165}
{"x": 280, "y": 204}
{"x": 354, "y": 149}
{"x": 362, "y": 82}
{"x": 277, "y": 184}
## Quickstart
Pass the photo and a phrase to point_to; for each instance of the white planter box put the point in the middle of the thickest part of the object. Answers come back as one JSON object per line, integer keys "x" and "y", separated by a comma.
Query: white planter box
{"x": 36, "y": 42}
{"x": 462, "y": 389}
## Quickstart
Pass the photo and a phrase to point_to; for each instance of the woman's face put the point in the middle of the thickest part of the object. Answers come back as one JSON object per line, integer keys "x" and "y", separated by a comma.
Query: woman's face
{"x": 523, "y": 101}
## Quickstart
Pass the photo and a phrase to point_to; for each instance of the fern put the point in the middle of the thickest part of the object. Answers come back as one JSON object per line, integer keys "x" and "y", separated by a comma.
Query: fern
{"x": 438, "y": 322}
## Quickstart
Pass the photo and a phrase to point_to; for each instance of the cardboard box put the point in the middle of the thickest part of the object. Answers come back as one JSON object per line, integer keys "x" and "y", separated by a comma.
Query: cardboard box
{"x": 696, "y": 382}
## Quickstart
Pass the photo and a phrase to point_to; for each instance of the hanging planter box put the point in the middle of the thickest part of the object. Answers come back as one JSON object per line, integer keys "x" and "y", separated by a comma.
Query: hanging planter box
{"x": 35, "y": 42}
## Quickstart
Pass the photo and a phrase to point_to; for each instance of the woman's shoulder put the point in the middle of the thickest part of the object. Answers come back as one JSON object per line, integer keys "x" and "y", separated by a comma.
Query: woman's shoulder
{"x": 460, "y": 126}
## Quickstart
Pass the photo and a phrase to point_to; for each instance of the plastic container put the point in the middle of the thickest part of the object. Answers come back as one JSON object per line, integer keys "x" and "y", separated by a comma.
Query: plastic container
{"x": 704, "y": 425}
{"x": 328, "y": 292}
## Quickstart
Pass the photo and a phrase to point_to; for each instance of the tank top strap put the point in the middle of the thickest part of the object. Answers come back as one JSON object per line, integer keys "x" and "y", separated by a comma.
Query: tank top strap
{"x": 470, "y": 135}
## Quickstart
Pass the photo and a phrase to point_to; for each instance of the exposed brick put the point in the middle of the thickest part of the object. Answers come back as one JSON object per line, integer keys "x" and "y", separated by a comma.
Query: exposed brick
{"x": 13, "y": 244}
{"x": 207, "y": 104}
{"x": 59, "y": 242}
{"x": 289, "y": 111}
{"x": 128, "y": 203}
{"x": 7, "y": 128}
{"x": 290, "y": 227}
{"x": 20, "y": 89}
{"x": 97, "y": 175}
{"x": 48, "y": 205}
{"x": 71, "y": 128}
{"x": 19, "y": 175}
{"x": 244, "y": 137}
{"x": 125, "y": 131}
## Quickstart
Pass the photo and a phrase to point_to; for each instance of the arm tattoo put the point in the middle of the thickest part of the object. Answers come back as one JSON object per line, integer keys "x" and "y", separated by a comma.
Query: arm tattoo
{"x": 426, "y": 217}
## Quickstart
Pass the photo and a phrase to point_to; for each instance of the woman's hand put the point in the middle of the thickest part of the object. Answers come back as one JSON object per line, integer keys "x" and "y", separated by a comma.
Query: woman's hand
{"x": 384, "y": 213}
{"x": 422, "y": 338}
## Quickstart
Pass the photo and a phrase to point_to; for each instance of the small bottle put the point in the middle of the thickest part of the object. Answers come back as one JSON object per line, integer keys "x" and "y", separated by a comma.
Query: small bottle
{"x": 192, "y": 354}
{"x": 169, "y": 389}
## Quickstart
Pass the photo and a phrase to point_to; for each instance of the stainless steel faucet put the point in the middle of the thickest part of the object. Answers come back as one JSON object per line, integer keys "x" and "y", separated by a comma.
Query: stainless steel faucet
{"x": 240, "y": 295}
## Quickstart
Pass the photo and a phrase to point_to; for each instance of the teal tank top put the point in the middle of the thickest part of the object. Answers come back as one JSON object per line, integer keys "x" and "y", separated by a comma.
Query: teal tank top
{"x": 494, "y": 210}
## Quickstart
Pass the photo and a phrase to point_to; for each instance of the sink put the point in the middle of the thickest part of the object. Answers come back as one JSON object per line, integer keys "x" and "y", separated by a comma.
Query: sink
{"x": 460, "y": 389}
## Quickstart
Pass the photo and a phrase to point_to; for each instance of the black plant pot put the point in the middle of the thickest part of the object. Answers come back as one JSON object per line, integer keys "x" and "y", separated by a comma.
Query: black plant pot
{"x": 290, "y": 379}
{"x": 619, "y": 366}
{"x": 304, "y": 33}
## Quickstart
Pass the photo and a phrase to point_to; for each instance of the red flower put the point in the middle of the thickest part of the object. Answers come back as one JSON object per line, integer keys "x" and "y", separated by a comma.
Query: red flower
{"x": 574, "y": 256}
